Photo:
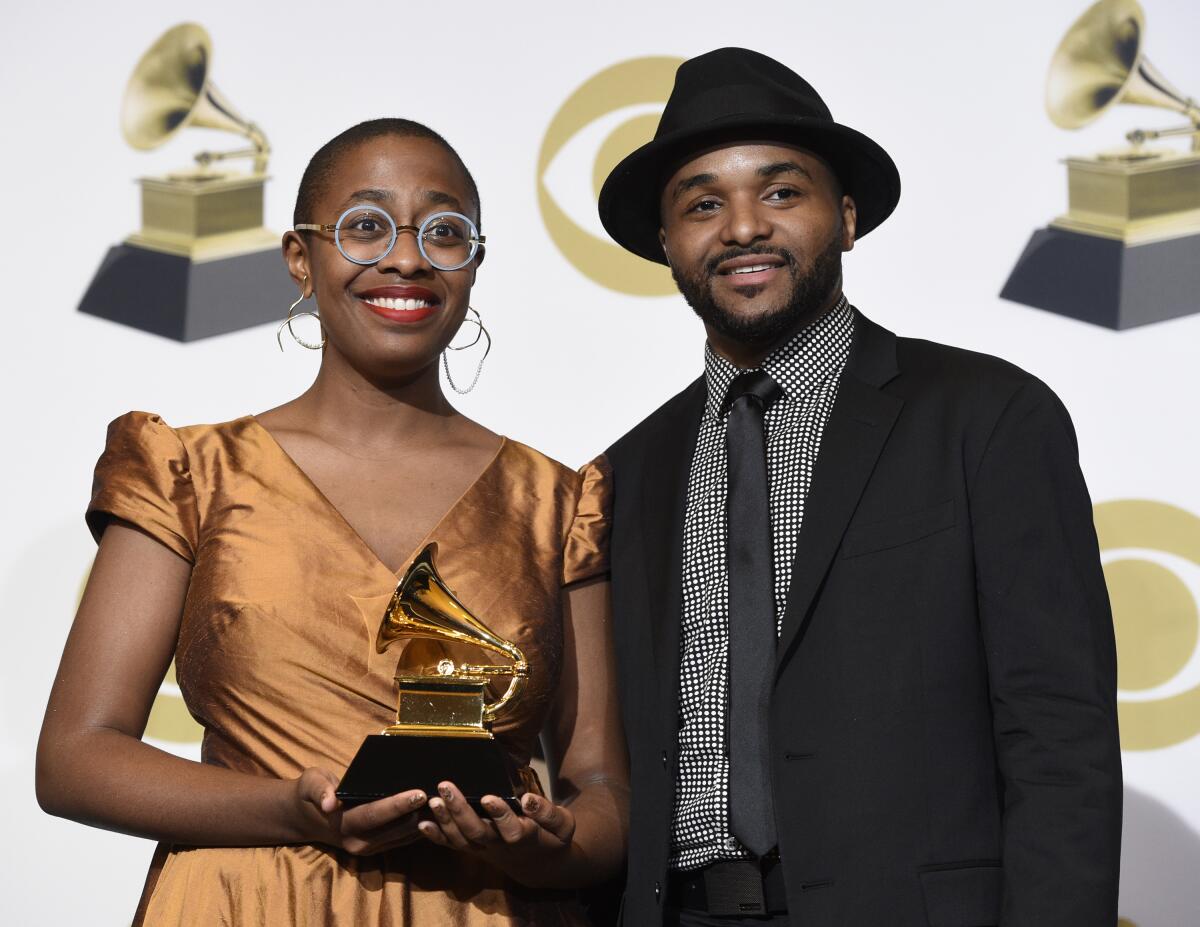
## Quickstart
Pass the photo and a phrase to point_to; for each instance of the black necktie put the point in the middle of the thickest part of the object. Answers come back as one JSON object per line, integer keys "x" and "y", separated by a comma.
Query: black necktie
{"x": 752, "y": 634}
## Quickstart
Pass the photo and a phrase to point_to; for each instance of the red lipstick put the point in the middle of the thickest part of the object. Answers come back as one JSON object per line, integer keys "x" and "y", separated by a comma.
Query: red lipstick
{"x": 403, "y": 304}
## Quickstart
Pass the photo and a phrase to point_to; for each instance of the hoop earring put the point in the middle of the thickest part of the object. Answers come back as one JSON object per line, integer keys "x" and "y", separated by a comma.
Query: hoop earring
{"x": 287, "y": 323}
{"x": 481, "y": 333}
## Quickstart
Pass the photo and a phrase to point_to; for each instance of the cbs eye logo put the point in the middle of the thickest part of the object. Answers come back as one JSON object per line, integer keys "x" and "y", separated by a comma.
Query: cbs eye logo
{"x": 606, "y": 118}
{"x": 1151, "y": 557}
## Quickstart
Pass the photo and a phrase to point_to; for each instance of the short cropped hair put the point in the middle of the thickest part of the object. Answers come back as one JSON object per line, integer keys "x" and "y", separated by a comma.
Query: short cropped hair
{"x": 323, "y": 164}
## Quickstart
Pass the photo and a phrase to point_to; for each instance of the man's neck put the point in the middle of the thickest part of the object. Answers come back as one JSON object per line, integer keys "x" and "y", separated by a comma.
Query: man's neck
{"x": 748, "y": 355}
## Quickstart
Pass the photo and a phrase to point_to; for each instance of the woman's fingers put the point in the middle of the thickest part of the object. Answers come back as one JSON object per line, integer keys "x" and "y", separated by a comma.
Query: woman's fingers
{"x": 433, "y": 833}
{"x": 511, "y": 827}
{"x": 474, "y": 829}
{"x": 451, "y": 835}
{"x": 365, "y": 819}
{"x": 556, "y": 819}
{"x": 318, "y": 787}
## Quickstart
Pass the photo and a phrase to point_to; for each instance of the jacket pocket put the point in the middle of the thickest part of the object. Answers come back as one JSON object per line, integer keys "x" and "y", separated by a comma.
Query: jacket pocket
{"x": 895, "y": 532}
{"x": 963, "y": 897}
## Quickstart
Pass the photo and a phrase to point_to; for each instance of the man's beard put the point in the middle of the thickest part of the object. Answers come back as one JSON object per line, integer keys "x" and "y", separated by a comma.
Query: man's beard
{"x": 810, "y": 293}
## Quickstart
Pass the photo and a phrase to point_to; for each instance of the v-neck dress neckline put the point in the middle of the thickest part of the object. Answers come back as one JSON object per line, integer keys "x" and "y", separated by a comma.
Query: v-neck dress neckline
{"x": 303, "y": 477}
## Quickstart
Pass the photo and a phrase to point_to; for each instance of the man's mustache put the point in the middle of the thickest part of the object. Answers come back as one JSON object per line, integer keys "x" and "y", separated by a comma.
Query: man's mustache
{"x": 783, "y": 254}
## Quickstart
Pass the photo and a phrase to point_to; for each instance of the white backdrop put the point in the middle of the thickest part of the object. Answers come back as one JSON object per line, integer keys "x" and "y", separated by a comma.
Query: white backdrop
{"x": 952, "y": 90}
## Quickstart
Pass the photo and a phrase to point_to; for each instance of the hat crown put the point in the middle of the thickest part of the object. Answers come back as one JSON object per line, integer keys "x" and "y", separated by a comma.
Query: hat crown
{"x": 735, "y": 83}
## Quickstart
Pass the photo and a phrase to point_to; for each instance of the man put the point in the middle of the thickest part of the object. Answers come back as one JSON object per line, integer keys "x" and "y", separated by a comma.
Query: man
{"x": 865, "y": 646}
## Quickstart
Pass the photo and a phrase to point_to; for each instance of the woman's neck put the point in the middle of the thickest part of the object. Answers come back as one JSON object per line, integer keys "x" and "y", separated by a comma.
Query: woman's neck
{"x": 350, "y": 409}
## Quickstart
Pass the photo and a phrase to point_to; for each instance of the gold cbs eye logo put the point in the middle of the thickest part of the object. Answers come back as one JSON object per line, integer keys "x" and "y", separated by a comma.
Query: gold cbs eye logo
{"x": 1151, "y": 556}
{"x": 606, "y": 118}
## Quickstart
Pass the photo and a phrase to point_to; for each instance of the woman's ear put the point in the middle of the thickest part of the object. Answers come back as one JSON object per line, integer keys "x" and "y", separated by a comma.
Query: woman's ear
{"x": 295, "y": 253}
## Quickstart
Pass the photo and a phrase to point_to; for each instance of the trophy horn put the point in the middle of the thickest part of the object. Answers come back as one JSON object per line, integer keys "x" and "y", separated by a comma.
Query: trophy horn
{"x": 171, "y": 87}
{"x": 423, "y": 606}
{"x": 1101, "y": 62}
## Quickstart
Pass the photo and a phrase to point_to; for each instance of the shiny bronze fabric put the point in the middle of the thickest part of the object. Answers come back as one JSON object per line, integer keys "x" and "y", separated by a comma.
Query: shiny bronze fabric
{"x": 276, "y": 654}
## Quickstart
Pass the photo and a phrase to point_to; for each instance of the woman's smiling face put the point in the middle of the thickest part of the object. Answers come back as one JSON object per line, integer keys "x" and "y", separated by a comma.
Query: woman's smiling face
{"x": 390, "y": 320}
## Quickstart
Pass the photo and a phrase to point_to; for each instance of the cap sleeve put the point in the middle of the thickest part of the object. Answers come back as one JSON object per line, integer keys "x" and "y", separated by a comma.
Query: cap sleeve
{"x": 585, "y": 555}
{"x": 143, "y": 478}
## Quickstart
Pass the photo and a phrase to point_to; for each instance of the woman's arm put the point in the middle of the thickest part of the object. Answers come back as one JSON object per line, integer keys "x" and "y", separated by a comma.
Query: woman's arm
{"x": 93, "y": 767}
{"x": 582, "y": 840}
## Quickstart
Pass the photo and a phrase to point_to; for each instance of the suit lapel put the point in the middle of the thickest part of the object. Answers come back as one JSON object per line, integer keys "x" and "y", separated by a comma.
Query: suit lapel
{"x": 664, "y": 501}
{"x": 858, "y": 427}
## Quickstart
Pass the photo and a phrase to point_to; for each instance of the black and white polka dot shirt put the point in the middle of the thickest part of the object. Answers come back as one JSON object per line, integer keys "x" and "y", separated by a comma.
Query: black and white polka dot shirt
{"x": 807, "y": 368}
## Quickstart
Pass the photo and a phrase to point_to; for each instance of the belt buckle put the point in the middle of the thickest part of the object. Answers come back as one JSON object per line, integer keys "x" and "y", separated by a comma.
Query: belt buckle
{"x": 735, "y": 887}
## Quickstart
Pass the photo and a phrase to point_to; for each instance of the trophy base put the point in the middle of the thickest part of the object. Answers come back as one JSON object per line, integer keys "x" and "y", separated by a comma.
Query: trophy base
{"x": 386, "y": 764}
{"x": 174, "y": 296}
{"x": 1105, "y": 281}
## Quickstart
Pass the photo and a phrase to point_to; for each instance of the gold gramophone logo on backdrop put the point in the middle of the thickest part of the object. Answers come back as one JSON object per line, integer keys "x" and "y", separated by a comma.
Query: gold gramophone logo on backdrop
{"x": 633, "y": 93}
{"x": 1151, "y": 555}
{"x": 202, "y": 263}
{"x": 1127, "y": 251}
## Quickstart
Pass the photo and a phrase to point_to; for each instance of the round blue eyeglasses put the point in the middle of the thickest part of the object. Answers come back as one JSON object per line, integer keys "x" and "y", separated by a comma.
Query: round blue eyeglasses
{"x": 366, "y": 234}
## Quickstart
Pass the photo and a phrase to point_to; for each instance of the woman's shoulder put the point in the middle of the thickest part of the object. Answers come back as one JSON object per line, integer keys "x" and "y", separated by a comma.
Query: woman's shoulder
{"x": 195, "y": 449}
{"x": 152, "y": 427}
{"x": 517, "y": 455}
{"x": 587, "y": 489}
{"x": 583, "y": 501}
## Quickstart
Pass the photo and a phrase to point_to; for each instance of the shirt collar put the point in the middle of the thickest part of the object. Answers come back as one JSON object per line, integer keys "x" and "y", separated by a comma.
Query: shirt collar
{"x": 815, "y": 354}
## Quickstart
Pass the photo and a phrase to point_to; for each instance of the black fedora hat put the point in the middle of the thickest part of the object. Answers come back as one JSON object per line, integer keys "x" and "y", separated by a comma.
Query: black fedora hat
{"x": 736, "y": 94}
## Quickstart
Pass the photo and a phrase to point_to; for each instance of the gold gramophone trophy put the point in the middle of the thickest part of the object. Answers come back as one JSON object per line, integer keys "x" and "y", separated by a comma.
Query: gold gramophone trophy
{"x": 443, "y": 719}
{"x": 202, "y": 263}
{"x": 1127, "y": 251}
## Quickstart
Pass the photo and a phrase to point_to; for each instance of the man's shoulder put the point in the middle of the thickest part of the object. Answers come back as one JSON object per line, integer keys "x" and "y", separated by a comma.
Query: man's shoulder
{"x": 937, "y": 362}
{"x": 970, "y": 388}
{"x": 930, "y": 368}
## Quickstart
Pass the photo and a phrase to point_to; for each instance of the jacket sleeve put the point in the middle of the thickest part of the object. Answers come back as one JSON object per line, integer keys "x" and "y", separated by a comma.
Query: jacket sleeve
{"x": 1047, "y": 628}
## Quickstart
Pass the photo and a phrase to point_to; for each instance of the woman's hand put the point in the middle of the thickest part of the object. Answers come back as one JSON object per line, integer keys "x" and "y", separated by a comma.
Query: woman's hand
{"x": 520, "y": 845}
{"x": 363, "y": 830}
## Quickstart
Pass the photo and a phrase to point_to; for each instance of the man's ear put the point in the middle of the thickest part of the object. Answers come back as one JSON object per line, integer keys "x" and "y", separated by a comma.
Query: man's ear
{"x": 295, "y": 253}
{"x": 662, "y": 240}
{"x": 849, "y": 222}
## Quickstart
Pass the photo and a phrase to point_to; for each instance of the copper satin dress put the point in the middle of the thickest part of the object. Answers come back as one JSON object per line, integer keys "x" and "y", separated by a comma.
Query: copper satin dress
{"x": 276, "y": 656}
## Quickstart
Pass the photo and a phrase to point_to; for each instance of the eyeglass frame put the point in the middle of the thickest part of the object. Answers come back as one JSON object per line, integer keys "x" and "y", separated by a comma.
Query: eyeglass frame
{"x": 477, "y": 241}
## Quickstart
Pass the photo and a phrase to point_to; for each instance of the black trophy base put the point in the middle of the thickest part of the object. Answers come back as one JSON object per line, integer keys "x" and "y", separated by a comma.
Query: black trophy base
{"x": 1107, "y": 282}
{"x": 170, "y": 295}
{"x": 386, "y": 764}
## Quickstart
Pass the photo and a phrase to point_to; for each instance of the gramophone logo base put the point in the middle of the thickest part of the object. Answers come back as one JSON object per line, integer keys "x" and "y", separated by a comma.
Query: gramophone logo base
{"x": 1127, "y": 252}
{"x": 1105, "y": 281}
{"x": 174, "y": 296}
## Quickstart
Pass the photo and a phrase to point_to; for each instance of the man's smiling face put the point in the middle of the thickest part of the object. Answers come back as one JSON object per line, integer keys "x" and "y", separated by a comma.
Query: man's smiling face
{"x": 754, "y": 233}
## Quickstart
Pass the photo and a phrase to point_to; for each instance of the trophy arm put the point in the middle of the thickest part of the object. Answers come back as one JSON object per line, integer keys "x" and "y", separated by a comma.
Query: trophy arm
{"x": 520, "y": 673}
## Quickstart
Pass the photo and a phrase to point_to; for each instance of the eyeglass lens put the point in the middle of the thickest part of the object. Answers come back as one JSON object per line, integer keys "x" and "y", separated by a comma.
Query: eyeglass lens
{"x": 365, "y": 234}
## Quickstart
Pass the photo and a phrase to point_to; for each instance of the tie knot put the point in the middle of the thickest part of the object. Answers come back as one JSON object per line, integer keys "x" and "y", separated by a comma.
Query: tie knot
{"x": 756, "y": 385}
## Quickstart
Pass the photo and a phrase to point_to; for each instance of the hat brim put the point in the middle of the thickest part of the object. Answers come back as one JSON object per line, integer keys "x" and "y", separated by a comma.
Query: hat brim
{"x": 629, "y": 198}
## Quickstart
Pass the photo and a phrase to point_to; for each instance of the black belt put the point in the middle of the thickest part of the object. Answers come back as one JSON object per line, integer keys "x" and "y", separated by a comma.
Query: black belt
{"x": 742, "y": 886}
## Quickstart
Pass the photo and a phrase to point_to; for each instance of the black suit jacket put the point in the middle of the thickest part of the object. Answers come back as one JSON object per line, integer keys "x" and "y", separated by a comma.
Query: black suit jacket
{"x": 943, "y": 724}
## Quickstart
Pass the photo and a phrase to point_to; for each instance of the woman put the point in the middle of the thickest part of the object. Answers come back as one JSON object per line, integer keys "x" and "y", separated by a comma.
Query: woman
{"x": 261, "y": 553}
